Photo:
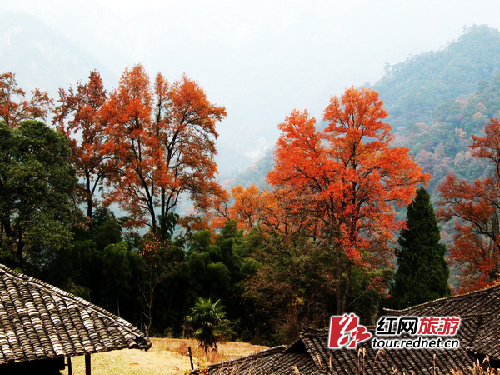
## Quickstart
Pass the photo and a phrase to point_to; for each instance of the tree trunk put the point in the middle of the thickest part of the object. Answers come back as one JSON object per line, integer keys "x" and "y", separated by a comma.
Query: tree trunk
{"x": 293, "y": 325}
{"x": 89, "y": 207}
{"x": 154, "y": 226}
{"x": 347, "y": 289}
{"x": 339, "y": 293}
{"x": 343, "y": 289}
{"x": 90, "y": 202}
{"x": 149, "y": 305}
{"x": 163, "y": 203}
{"x": 20, "y": 246}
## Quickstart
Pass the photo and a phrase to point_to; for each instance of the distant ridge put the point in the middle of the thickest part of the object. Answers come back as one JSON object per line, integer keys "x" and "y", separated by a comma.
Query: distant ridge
{"x": 40, "y": 56}
{"x": 424, "y": 89}
{"x": 413, "y": 90}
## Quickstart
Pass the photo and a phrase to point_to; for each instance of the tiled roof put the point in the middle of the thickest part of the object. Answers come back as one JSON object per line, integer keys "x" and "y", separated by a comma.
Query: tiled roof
{"x": 270, "y": 361}
{"x": 310, "y": 355}
{"x": 481, "y": 302}
{"x": 347, "y": 361}
{"x": 487, "y": 339}
{"x": 39, "y": 321}
{"x": 479, "y": 336}
{"x": 482, "y": 306}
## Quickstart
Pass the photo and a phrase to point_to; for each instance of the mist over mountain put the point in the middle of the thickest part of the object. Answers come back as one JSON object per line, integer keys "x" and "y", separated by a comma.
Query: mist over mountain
{"x": 42, "y": 57}
{"x": 436, "y": 100}
{"x": 413, "y": 90}
{"x": 259, "y": 60}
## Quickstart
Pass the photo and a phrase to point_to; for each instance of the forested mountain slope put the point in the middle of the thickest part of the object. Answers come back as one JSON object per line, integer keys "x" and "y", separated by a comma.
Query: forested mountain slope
{"x": 413, "y": 90}
{"x": 436, "y": 100}
{"x": 441, "y": 146}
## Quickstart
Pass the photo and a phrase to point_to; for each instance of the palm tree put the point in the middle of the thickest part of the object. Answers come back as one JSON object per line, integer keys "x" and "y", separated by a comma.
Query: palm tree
{"x": 208, "y": 322}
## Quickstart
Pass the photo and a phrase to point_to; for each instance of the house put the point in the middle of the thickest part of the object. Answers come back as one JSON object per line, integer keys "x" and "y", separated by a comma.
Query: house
{"x": 43, "y": 327}
{"x": 479, "y": 336}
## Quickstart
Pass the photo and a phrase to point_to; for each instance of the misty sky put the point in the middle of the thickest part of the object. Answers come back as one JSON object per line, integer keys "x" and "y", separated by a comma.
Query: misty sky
{"x": 260, "y": 59}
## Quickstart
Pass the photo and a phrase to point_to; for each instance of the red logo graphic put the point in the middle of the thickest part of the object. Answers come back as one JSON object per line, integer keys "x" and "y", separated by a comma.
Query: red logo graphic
{"x": 346, "y": 332}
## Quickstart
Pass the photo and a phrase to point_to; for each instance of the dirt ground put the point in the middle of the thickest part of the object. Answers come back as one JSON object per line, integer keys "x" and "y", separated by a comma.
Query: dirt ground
{"x": 167, "y": 356}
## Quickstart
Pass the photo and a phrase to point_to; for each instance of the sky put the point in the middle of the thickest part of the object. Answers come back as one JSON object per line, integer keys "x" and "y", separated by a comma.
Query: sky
{"x": 262, "y": 58}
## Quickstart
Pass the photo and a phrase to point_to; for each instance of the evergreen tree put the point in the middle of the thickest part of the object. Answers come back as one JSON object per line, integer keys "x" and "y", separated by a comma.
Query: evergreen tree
{"x": 422, "y": 273}
{"x": 37, "y": 182}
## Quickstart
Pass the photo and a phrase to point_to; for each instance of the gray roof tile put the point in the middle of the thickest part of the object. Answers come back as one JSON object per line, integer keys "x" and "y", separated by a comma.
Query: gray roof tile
{"x": 40, "y": 321}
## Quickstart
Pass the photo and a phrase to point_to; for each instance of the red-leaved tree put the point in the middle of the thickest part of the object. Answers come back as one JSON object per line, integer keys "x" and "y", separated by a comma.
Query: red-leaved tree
{"x": 15, "y": 107}
{"x": 185, "y": 124}
{"x": 475, "y": 206}
{"x": 352, "y": 177}
{"x": 130, "y": 139}
{"x": 78, "y": 117}
{"x": 162, "y": 141}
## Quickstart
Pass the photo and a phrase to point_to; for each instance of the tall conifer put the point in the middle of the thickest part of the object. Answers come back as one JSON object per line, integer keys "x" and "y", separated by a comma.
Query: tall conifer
{"x": 422, "y": 273}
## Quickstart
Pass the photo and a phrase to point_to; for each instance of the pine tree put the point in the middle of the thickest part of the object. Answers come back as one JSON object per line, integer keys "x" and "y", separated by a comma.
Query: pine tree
{"x": 422, "y": 273}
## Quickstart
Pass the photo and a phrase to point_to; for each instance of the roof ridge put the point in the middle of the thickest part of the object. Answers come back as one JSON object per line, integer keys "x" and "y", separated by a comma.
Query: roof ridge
{"x": 445, "y": 298}
{"x": 262, "y": 353}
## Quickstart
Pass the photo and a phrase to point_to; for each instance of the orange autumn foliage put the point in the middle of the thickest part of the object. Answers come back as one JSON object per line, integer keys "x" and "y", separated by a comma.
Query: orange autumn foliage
{"x": 15, "y": 108}
{"x": 333, "y": 189}
{"x": 349, "y": 170}
{"x": 475, "y": 208}
{"x": 277, "y": 212}
{"x": 78, "y": 117}
{"x": 285, "y": 212}
{"x": 280, "y": 210}
{"x": 135, "y": 150}
{"x": 247, "y": 207}
{"x": 185, "y": 123}
{"x": 162, "y": 140}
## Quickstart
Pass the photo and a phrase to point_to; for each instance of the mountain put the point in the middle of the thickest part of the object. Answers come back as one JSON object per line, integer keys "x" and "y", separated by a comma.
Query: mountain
{"x": 42, "y": 57}
{"x": 436, "y": 100}
{"x": 412, "y": 91}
